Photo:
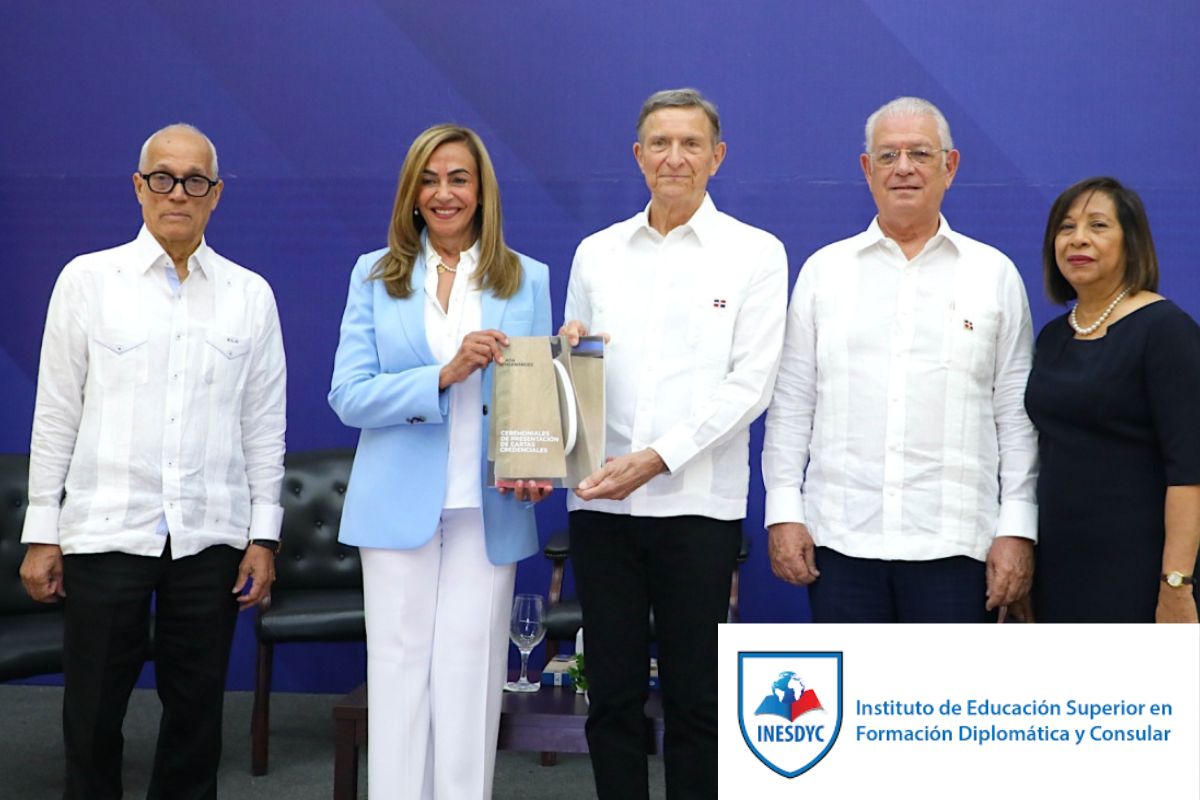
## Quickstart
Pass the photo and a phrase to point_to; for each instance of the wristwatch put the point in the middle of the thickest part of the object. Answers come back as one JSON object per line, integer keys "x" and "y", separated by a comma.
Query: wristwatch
{"x": 1176, "y": 579}
{"x": 270, "y": 544}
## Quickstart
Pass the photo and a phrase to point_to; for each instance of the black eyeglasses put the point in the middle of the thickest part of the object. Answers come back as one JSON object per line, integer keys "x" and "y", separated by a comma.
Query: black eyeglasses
{"x": 164, "y": 183}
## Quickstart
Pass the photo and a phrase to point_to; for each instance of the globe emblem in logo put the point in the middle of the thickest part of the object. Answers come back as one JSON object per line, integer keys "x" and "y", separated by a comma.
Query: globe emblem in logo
{"x": 784, "y": 721}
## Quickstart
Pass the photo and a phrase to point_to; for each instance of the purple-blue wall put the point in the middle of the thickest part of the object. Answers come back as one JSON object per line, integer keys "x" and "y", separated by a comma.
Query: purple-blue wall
{"x": 312, "y": 106}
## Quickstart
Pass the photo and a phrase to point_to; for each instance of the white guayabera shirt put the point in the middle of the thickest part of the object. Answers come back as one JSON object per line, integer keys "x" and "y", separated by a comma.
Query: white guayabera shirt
{"x": 154, "y": 404}
{"x": 696, "y": 319}
{"x": 898, "y": 426}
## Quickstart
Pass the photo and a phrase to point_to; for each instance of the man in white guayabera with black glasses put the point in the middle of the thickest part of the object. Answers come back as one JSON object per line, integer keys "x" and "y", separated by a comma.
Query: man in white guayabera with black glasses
{"x": 899, "y": 463}
{"x": 154, "y": 471}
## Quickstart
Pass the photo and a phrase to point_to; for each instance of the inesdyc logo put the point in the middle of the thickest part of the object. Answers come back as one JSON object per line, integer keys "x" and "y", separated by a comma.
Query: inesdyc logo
{"x": 790, "y": 707}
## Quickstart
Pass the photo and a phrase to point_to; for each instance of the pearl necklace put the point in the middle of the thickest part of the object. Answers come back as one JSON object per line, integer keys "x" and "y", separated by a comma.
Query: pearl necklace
{"x": 443, "y": 269}
{"x": 1073, "y": 320}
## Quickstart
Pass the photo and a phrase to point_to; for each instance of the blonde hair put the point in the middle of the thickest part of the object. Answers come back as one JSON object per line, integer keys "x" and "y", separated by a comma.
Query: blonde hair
{"x": 499, "y": 269}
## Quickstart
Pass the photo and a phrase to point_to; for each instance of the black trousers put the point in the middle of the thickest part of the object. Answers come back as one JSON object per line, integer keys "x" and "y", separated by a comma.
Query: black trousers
{"x": 873, "y": 590}
{"x": 680, "y": 567}
{"x": 107, "y": 619}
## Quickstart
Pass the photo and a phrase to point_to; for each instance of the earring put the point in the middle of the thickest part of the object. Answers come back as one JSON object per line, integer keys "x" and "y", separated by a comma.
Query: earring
{"x": 416, "y": 213}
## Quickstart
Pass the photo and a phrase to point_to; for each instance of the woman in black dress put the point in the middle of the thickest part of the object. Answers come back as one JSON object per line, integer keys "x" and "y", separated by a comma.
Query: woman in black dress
{"x": 1115, "y": 395}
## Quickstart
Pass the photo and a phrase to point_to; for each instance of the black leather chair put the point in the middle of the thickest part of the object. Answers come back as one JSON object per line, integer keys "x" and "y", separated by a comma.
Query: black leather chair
{"x": 317, "y": 595}
{"x": 31, "y": 633}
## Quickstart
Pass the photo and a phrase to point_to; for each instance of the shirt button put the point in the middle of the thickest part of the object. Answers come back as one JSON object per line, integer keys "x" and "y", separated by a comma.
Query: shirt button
{"x": 178, "y": 336}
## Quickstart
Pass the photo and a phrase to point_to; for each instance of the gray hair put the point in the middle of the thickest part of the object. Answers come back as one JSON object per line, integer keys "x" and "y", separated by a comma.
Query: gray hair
{"x": 680, "y": 98}
{"x": 144, "y": 158}
{"x": 908, "y": 107}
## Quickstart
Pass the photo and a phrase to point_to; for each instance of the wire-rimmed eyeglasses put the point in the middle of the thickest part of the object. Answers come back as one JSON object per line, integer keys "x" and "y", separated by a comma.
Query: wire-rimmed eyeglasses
{"x": 917, "y": 155}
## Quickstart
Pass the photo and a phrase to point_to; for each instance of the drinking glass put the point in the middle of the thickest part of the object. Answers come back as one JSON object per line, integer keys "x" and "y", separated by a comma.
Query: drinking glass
{"x": 526, "y": 629}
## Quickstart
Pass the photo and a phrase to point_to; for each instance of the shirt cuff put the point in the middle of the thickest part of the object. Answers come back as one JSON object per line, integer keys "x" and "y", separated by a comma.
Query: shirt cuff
{"x": 41, "y": 525}
{"x": 674, "y": 449}
{"x": 265, "y": 521}
{"x": 1018, "y": 518}
{"x": 785, "y": 504}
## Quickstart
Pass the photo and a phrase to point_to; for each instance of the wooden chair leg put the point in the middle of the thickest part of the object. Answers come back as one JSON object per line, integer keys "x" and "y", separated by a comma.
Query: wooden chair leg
{"x": 345, "y": 761}
{"x": 260, "y": 717}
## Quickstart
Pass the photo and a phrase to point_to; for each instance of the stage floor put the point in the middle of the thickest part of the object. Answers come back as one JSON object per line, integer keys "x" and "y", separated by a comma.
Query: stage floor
{"x": 301, "y": 766}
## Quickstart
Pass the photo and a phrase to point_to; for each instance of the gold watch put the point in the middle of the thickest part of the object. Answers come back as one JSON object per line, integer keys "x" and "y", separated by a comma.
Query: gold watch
{"x": 1177, "y": 579}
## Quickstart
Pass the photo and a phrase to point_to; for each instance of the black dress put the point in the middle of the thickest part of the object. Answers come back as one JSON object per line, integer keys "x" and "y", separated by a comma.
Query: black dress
{"x": 1118, "y": 421}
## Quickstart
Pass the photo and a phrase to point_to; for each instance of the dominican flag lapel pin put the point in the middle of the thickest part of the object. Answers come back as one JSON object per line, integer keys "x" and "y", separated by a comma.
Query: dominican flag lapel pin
{"x": 968, "y": 325}
{"x": 718, "y": 303}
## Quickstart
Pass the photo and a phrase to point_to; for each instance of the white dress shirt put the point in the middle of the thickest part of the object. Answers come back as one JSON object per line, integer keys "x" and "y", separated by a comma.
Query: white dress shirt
{"x": 901, "y": 392}
{"x": 696, "y": 319}
{"x": 445, "y": 331}
{"x": 152, "y": 403}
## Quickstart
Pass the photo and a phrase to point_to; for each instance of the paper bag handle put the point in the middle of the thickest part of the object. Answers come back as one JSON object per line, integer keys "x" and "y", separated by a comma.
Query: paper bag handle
{"x": 571, "y": 418}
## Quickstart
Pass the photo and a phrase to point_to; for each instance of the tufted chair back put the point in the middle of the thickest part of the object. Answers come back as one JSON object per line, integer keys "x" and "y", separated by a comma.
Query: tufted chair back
{"x": 311, "y": 559}
{"x": 30, "y": 632}
{"x": 317, "y": 596}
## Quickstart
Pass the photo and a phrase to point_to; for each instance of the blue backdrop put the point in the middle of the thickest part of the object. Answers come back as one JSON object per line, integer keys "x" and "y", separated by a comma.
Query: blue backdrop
{"x": 312, "y": 106}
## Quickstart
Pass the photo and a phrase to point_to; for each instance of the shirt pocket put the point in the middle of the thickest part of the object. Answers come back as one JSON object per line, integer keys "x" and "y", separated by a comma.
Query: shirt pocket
{"x": 225, "y": 359}
{"x": 606, "y": 307}
{"x": 710, "y": 333}
{"x": 969, "y": 342}
{"x": 120, "y": 356}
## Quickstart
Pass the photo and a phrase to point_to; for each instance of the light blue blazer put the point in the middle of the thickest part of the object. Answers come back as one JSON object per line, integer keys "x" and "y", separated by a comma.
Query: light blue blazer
{"x": 385, "y": 381}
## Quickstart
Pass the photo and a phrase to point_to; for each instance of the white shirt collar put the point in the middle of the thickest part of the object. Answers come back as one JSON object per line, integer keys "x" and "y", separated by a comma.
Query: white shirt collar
{"x": 468, "y": 259}
{"x": 701, "y": 224}
{"x": 149, "y": 252}
{"x": 874, "y": 235}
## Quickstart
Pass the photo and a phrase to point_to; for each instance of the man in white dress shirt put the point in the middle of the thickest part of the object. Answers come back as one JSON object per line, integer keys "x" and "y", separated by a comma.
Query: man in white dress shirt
{"x": 155, "y": 468}
{"x": 694, "y": 303}
{"x": 899, "y": 462}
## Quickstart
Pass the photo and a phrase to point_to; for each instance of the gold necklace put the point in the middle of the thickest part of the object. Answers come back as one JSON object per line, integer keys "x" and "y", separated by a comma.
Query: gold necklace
{"x": 442, "y": 269}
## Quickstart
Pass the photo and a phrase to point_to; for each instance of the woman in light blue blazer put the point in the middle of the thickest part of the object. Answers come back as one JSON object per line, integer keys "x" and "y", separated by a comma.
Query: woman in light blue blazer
{"x": 424, "y": 319}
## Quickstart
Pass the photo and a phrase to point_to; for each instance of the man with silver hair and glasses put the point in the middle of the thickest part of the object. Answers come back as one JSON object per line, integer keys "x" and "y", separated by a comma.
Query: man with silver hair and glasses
{"x": 693, "y": 302}
{"x": 154, "y": 472}
{"x": 899, "y": 462}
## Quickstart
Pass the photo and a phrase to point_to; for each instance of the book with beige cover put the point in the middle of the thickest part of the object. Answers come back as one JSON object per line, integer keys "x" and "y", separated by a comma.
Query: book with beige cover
{"x": 548, "y": 411}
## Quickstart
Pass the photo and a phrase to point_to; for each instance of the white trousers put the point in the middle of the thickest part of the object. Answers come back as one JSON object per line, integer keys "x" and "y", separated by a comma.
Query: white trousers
{"x": 437, "y": 646}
